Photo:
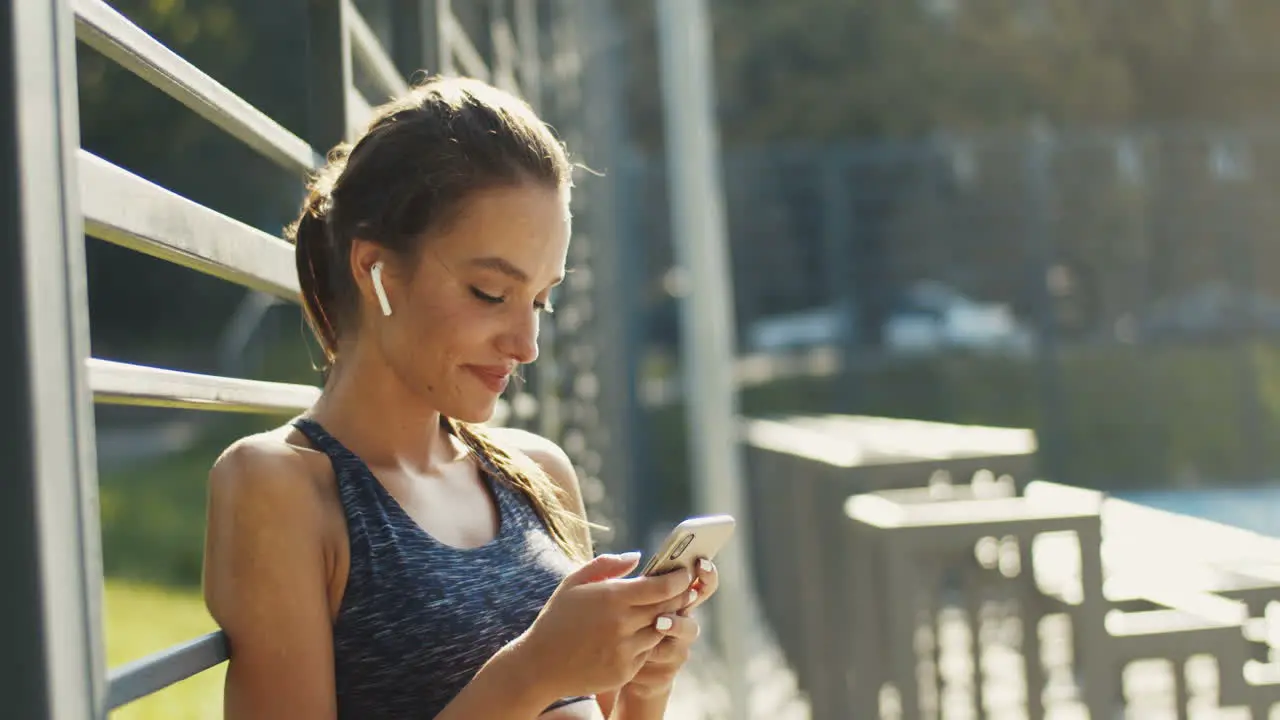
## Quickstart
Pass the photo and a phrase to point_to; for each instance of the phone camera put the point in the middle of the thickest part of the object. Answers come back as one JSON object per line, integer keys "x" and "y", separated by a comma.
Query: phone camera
{"x": 681, "y": 547}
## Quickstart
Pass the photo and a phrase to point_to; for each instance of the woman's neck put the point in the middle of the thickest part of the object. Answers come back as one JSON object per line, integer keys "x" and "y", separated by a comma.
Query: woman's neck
{"x": 373, "y": 413}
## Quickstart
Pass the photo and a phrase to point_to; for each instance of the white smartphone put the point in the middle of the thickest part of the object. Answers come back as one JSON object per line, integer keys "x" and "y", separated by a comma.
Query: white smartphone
{"x": 696, "y": 537}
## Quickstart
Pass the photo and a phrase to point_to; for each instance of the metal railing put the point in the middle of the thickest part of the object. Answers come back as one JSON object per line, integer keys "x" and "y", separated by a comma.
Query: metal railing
{"x": 51, "y": 620}
{"x": 801, "y": 470}
{"x": 894, "y": 557}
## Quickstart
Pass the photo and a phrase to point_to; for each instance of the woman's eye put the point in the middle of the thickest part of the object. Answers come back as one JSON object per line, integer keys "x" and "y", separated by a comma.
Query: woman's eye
{"x": 486, "y": 297}
{"x": 539, "y": 305}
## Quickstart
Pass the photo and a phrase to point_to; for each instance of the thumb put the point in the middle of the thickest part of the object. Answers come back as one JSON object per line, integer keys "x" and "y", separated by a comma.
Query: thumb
{"x": 603, "y": 567}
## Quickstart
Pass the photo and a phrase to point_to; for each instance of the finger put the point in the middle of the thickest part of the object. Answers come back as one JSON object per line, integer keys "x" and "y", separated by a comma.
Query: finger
{"x": 643, "y": 618}
{"x": 682, "y": 630}
{"x": 707, "y": 574}
{"x": 707, "y": 582}
{"x": 675, "y": 604}
{"x": 647, "y": 590}
{"x": 669, "y": 653}
{"x": 602, "y": 567}
{"x": 643, "y": 641}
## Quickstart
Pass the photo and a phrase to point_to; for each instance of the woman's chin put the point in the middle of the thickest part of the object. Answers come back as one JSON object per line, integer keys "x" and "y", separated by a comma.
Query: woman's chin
{"x": 476, "y": 412}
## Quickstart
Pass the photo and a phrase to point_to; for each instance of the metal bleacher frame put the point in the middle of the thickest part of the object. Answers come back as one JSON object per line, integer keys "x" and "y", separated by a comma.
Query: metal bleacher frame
{"x": 52, "y": 195}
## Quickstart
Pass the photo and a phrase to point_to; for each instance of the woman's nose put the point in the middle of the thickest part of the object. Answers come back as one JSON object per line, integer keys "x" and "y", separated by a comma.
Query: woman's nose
{"x": 521, "y": 342}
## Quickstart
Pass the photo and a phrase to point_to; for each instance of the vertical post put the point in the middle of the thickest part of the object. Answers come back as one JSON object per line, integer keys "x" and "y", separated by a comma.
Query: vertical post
{"x": 632, "y": 172}
{"x": 1053, "y": 428}
{"x": 444, "y": 15}
{"x": 614, "y": 286}
{"x": 549, "y": 95}
{"x": 1233, "y": 172}
{"x": 416, "y": 36}
{"x": 51, "y": 661}
{"x": 837, "y": 236}
{"x": 501, "y": 56}
{"x": 707, "y": 342}
{"x": 528, "y": 63}
{"x": 330, "y": 78}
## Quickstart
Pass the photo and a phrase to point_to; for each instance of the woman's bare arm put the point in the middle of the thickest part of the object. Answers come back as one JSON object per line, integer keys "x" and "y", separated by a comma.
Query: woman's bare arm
{"x": 266, "y": 582}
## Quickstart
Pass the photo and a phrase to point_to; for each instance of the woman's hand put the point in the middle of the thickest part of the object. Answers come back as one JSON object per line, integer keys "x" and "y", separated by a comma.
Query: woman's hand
{"x": 664, "y": 661}
{"x": 598, "y": 628}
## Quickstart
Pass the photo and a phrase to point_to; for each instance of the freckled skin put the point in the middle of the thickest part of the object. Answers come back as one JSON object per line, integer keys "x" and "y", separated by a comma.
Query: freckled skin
{"x": 439, "y": 325}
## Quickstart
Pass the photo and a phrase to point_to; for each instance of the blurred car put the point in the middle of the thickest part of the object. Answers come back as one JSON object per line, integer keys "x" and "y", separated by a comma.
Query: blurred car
{"x": 824, "y": 325}
{"x": 927, "y": 316}
{"x": 931, "y": 316}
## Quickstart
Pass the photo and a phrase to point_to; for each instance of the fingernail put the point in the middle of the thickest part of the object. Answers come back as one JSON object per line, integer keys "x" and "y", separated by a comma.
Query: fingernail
{"x": 693, "y": 596}
{"x": 663, "y": 623}
{"x": 629, "y": 556}
{"x": 705, "y": 565}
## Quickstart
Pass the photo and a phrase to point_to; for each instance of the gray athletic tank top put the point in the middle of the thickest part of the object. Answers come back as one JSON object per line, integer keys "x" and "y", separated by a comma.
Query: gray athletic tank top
{"x": 419, "y": 618}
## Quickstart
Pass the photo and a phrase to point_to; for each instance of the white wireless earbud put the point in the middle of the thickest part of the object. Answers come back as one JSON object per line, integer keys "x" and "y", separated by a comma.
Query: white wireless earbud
{"x": 381, "y": 292}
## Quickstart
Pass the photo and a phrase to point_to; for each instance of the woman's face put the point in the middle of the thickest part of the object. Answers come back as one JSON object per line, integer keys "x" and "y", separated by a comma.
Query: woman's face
{"x": 468, "y": 316}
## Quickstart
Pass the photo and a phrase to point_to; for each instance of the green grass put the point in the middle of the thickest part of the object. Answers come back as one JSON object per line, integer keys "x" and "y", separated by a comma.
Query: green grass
{"x": 142, "y": 619}
{"x": 153, "y": 518}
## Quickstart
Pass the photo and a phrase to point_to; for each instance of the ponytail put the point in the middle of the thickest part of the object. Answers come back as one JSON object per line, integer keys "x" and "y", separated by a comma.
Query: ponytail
{"x": 315, "y": 254}
{"x": 310, "y": 235}
{"x": 564, "y": 525}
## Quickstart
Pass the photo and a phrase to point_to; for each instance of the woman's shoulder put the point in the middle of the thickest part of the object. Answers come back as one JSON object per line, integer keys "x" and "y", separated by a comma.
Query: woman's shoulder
{"x": 270, "y": 535}
{"x": 270, "y": 471}
{"x": 549, "y": 456}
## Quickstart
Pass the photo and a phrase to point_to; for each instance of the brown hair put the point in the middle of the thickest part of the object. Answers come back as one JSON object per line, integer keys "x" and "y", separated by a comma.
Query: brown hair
{"x": 405, "y": 177}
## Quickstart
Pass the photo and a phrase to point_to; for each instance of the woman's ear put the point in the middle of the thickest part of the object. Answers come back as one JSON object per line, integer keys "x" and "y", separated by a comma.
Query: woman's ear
{"x": 368, "y": 266}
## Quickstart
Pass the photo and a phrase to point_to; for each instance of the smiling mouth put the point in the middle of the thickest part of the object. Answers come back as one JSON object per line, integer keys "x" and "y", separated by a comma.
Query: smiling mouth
{"x": 492, "y": 379}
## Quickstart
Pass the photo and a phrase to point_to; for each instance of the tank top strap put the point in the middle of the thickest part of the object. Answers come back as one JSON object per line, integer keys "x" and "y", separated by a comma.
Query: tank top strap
{"x": 349, "y": 470}
{"x": 319, "y": 437}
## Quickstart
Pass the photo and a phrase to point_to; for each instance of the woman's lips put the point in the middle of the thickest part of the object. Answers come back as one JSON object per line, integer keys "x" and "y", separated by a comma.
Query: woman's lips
{"x": 494, "y": 378}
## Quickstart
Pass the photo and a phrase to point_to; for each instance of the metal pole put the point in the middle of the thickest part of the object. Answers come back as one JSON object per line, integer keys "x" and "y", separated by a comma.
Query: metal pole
{"x": 416, "y": 43}
{"x": 51, "y": 660}
{"x": 838, "y": 226}
{"x": 698, "y": 229}
{"x": 1238, "y": 259}
{"x": 614, "y": 287}
{"x": 1055, "y": 440}
{"x": 330, "y": 74}
{"x": 529, "y": 61}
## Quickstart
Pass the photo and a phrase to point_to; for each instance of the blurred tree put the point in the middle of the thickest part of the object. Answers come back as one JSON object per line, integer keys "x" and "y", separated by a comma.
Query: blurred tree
{"x": 861, "y": 74}
{"x": 841, "y": 69}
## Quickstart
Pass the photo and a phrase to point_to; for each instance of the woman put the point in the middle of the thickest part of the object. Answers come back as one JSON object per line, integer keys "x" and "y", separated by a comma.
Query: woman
{"x": 382, "y": 556}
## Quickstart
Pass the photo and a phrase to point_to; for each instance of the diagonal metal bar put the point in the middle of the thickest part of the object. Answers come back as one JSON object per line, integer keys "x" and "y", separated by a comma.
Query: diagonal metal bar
{"x": 104, "y": 29}
{"x": 156, "y": 672}
{"x": 470, "y": 60}
{"x": 506, "y": 53}
{"x": 117, "y": 383}
{"x": 359, "y": 112}
{"x": 368, "y": 50}
{"x": 124, "y": 209}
